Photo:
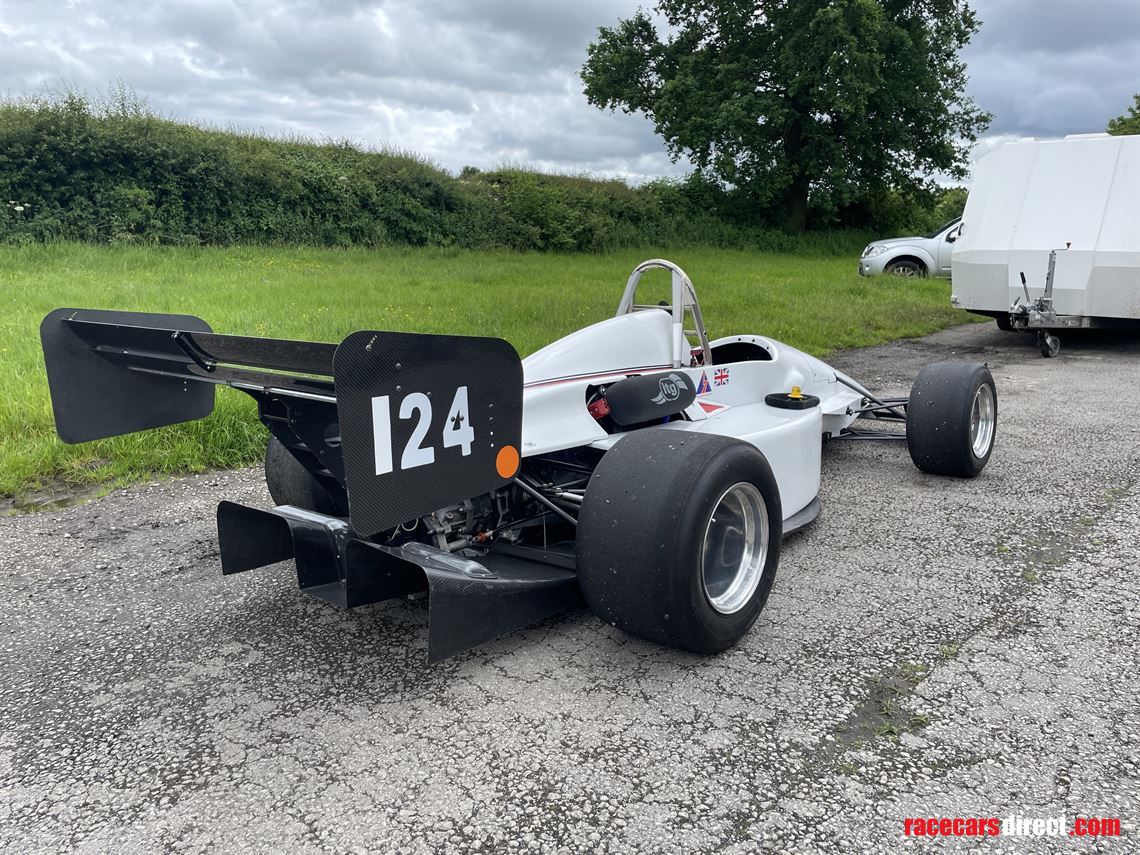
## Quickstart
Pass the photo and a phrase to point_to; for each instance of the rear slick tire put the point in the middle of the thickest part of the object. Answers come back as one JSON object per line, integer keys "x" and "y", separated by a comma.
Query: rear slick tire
{"x": 679, "y": 538}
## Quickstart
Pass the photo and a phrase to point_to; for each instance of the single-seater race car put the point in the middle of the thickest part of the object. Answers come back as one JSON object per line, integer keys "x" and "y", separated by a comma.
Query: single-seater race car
{"x": 633, "y": 462}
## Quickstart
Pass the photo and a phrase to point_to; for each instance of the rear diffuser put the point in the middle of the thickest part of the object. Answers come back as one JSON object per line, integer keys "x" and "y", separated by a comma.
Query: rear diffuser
{"x": 469, "y": 601}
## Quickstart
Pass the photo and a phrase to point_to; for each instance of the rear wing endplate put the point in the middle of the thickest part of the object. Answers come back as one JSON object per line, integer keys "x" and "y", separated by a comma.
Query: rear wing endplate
{"x": 415, "y": 422}
{"x": 112, "y": 373}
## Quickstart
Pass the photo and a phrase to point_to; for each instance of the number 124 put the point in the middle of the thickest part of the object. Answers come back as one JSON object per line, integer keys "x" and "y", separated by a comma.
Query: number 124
{"x": 457, "y": 430}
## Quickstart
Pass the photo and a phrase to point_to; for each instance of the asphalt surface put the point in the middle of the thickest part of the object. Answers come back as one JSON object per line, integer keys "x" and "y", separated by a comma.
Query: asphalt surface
{"x": 931, "y": 648}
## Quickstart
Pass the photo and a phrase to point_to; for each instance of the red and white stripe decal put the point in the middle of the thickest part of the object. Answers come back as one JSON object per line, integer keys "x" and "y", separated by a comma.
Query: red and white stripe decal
{"x": 621, "y": 372}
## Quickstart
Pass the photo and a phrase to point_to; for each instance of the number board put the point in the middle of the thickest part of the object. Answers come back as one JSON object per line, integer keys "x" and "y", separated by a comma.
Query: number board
{"x": 426, "y": 421}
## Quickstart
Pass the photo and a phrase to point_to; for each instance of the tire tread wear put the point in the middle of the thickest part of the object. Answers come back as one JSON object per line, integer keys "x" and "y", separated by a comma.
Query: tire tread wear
{"x": 641, "y": 529}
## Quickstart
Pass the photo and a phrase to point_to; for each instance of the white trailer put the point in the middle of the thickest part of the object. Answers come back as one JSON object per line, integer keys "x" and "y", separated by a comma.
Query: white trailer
{"x": 1051, "y": 236}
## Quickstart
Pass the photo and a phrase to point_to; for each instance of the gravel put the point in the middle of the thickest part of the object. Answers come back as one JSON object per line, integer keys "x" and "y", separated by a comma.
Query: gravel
{"x": 931, "y": 648}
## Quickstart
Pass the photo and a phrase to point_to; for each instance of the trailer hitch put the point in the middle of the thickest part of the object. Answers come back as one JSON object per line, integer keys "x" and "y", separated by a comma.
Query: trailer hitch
{"x": 1039, "y": 314}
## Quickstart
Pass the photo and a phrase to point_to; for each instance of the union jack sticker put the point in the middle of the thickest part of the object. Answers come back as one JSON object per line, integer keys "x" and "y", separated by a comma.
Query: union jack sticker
{"x": 720, "y": 377}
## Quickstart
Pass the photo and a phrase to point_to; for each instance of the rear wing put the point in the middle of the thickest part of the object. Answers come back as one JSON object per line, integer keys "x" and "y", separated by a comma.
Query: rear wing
{"x": 403, "y": 423}
{"x": 112, "y": 373}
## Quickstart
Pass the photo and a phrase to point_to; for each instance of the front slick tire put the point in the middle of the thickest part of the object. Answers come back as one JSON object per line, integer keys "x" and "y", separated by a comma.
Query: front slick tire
{"x": 653, "y": 558}
{"x": 951, "y": 420}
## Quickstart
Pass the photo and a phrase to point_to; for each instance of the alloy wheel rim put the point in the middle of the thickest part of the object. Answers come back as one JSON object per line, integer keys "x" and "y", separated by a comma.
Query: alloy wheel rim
{"x": 982, "y": 419}
{"x": 735, "y": 548}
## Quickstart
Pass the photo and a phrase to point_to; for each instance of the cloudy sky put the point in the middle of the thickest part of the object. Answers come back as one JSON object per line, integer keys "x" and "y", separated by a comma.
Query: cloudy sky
{"x": 488, "y": 82}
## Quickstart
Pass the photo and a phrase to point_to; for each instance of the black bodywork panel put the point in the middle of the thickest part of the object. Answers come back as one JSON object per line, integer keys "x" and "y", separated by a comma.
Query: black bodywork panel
{"x": 423, "y": 419}
{"x": 649, "y": 397}
{"x": 93, "y": 397}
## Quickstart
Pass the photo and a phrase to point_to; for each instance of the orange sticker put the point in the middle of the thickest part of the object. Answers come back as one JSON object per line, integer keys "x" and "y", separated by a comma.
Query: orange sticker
{"x": 507, "y": 461}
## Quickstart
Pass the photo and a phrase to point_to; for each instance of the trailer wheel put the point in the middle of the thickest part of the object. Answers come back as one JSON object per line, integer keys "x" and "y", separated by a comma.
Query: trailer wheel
{"x": 679, "y": 538}
{"x": 951, "y": 420}
{"x": 1048, "y": 344}
{"x": 290, "y": 483}
{"x": 1004, "y": 323}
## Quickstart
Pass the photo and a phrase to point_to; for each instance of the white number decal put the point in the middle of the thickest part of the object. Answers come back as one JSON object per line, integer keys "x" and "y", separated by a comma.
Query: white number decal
{"x": 414, "y": 453}
{"x": 382, "y": 434}
{"x": 457, "y": 429}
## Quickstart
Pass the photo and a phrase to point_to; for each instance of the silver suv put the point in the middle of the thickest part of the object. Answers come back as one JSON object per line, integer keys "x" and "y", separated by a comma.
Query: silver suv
{"x": 912, "y": 256}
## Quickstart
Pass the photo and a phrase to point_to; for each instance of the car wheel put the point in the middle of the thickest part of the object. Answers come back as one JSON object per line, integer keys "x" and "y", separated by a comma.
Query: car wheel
{"x": 905, "y": 267}
{"x": 679, "y": 537}
{"x": 290, "y": 483}
{"x": 951, "y": 420}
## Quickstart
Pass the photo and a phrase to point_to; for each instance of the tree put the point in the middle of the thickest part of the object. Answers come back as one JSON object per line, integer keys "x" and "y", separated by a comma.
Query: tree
{"x": 1128, "y": 123}
{"x": 794, "y": 101}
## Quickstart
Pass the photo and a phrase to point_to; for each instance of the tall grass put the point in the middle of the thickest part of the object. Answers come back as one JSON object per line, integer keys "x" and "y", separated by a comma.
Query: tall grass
{"x": 111, "y": 171}
{"x": 815, "y": 302}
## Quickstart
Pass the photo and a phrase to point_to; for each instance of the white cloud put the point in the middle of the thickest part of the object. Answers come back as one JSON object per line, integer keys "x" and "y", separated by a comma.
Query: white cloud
{"x": 482, "y": 83}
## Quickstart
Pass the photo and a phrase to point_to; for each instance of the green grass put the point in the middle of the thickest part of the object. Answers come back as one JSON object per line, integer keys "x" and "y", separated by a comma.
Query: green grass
{"x": 814, "y": 303}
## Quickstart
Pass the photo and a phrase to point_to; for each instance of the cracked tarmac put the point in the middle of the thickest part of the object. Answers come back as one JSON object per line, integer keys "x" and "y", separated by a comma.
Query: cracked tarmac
{"x": 932, "y": 647}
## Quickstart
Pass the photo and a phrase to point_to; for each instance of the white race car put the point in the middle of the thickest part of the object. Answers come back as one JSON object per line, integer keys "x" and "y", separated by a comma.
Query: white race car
{"x": 634, "y": 462}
